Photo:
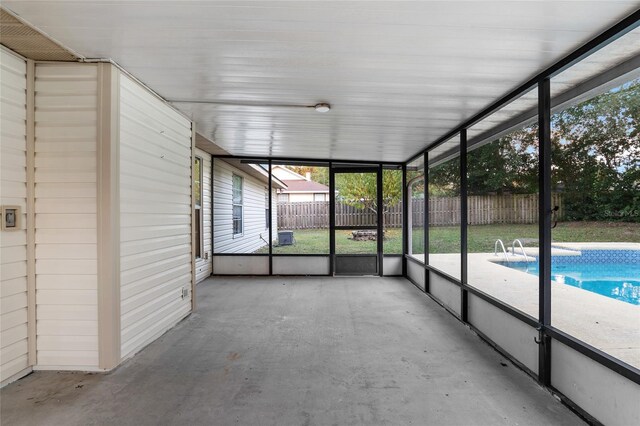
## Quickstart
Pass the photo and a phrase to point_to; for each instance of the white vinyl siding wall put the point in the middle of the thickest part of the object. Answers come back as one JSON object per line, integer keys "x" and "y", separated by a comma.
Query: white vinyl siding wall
{"x": 204, "y": 264}
{"x": 155, "y": 221}
{"x": 66, "y": 221}
{"x": 255, "y": 233}
{"x": 13, "y": 244}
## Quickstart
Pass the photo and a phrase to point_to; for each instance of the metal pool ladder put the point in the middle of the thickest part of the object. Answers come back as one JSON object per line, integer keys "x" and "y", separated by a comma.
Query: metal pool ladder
{"x": 513, "y": 249}
{"x": 495, "y": 249}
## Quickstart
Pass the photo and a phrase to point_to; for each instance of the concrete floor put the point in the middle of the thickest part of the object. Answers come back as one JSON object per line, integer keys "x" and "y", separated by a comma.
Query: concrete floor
{"x": 298, "y": 351}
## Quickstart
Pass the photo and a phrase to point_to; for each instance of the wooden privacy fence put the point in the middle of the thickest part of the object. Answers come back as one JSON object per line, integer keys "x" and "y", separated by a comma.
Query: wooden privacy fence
{"x": 443, "y": 211}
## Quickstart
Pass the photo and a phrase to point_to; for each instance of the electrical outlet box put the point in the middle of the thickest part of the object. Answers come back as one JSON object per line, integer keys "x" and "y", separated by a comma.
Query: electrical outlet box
{"x": 185, "y": 292}
{"x": 11, "y": 218}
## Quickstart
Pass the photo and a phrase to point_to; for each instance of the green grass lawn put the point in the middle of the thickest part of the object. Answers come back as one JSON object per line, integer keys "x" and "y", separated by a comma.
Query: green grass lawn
{"x": 316, "y": 241}
{"x": 446, "y": 239}
{"x": 481, "y": 238}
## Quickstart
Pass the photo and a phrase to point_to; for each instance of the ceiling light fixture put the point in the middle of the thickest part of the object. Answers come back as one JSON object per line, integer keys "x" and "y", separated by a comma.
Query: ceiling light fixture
{"x": 322, "y": 107}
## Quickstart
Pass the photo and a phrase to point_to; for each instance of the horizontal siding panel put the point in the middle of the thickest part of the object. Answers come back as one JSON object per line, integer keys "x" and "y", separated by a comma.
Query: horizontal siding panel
{"x": 139, "y": 195}
{"x": 13, "y": 239}
{"x": 13, "y": 335}
{"x": 150, "y": 232}
{"x": 68, "y": 191}
{"x": 68, "y": 205}
{"x": 134, "y": 312}
{"x": 13, "y": 303}
{"x": 68, "y": 312}
{"x": 76, "y": 360}
{"x": 155, "y": 207}
{"x": 67, "y": 328}
{"x": 10, "y": 271}
{"x": 65, "y": 222}
{"x": 156, "y": 269}
{"x": 13, "y": 160}
{"x": 153, "y": 327}
{"x": 13, "y": 191}
{"x": 12, "y": 133}
{"x": 145, "y": 219}
{"x": 14, "y": 286}
{"x": 57, "y": 117}
{"x": 68, "y": 343}
{"x": 76, "y": 142}
{"x": 12, "y": 352}
{"x": 13, "y": 318}
{"x": 64, "y": 267}
{"x": 147, "y": 144}
{"x": 139, "y": 286}
{"x": 61, "y": 102}
{"x": 152, "y": 244}
{"x": 144, "y": 184}
{"x": 13, "y": 254}
{"x": 67, "y": 297}
{"x": 66, "y": 282}
{"x": 13, "y": 366}
{"x": 78, "y": 236}
{"x": 65, "y": 85}
{"x": 155, "y": 218}
{"x": 64, "y": 176}
{"x": 64, "y": 160}
{"x": 66, "y": 214}
{"x": 66, "y": 251}
{"x": 154, "y": 256}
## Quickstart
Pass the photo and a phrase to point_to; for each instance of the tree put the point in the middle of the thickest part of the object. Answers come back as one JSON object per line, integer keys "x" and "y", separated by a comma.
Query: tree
{"x": 596, "y": 155}
{"x": 360, "y": 189}
{"x": 595, "y": 159}
{"x": 318, "y": 174}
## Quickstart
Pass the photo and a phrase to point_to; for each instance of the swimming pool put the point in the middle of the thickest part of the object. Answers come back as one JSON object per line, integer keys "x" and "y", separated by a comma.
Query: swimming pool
{"x": 611, "y": 273}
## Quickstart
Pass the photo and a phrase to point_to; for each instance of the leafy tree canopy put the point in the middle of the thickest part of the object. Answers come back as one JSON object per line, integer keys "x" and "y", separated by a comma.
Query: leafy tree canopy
{"x": 360, "y": 189}
{"x": 595, "y": 159}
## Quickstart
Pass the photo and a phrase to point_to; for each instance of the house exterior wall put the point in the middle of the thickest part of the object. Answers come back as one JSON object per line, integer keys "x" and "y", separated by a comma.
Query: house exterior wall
{"x": 13, "y": 244}
{"x": 256, "y": 233}
{"x": 306, "y": 197}
{"x": 204, "y": 265}
{"x": 155, "y": 216}
{"x": 66, "y": 118}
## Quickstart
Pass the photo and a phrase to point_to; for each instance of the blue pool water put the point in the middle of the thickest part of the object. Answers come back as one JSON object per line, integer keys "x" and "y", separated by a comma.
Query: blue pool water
{"x": 608, "y": 274}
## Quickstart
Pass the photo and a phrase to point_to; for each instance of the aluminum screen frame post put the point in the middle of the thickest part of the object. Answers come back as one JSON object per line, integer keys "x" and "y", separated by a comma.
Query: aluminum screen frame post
{"x": 464, "y": 295}
{"x": 544, "y": 228}
{"x": 405, "y": 221}
{"x": 270, "y": 221}
{"x": 425, "y": 224}
{"x": 380, "y": 219}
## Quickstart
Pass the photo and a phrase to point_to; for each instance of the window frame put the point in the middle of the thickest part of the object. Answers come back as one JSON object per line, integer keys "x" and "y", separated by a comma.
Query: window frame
{"x": 267, "y": 208}
{"x": 240, "y": 205}
{"x": 199, "y": 237}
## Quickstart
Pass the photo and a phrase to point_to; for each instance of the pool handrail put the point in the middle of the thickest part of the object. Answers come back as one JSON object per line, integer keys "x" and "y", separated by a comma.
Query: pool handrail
{"x": 495, "y": 249}
{"x": 513, "y": 250}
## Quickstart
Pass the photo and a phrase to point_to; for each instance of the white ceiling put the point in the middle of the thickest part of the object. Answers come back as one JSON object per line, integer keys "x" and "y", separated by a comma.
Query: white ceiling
{"x": 398, "y": 74}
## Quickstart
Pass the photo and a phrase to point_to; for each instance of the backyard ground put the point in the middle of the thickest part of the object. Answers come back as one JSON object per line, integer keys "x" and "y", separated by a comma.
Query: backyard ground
{"x": 446, "y": 239}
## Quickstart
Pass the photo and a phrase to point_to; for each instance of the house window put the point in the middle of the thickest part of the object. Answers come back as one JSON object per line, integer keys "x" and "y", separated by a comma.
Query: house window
{"x": 318, "y": 197}
{"x": 197, "y": 200}
{"x": 283, "y": 198}
{"x": 238, "y": 226}
{"x": 267, "y": 210}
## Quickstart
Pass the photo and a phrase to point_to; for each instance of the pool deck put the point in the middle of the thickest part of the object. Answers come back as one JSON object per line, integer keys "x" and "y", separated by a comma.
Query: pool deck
{"x": 610, "y": 325}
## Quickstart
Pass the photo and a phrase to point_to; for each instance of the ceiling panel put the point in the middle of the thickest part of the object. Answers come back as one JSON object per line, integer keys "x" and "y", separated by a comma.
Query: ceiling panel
{"x": 398, "y": 75}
